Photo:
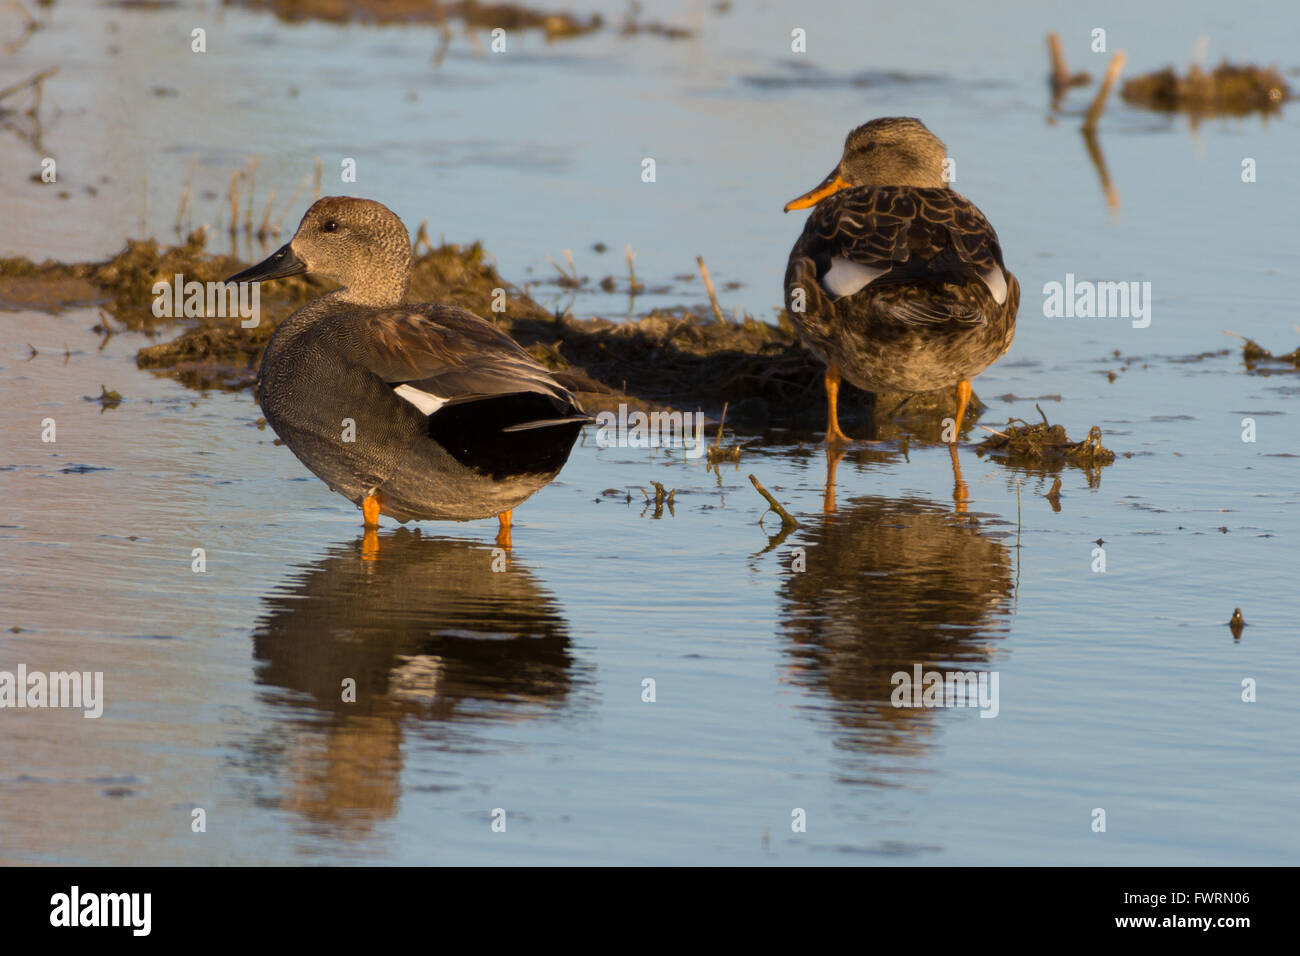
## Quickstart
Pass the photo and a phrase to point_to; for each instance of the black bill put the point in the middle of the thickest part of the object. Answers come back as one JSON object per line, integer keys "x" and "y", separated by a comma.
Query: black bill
{"x": 279, "y": 264}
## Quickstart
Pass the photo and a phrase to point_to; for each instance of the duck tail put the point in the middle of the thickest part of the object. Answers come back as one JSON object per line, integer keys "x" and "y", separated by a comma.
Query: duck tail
{"x": 550, "y": 423}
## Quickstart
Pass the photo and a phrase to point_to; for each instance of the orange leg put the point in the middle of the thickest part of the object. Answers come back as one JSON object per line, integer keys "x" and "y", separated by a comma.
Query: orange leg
{"x": 833, "y": 434}
{"x": 370, "y": 518}
{"x": 963, "y": 399}
{"x": 833, "y": 456}
{"x": 370, "y": 510}
{"x": 503, "y": 532}
{"x": 960, "y": 493}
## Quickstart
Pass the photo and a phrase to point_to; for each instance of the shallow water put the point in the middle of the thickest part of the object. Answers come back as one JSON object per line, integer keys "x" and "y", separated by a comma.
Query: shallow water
{"x": 522, "y": 689}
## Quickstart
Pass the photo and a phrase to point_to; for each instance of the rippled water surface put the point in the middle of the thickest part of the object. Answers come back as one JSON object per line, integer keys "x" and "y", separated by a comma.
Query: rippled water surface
{"x": 521, "y": 688}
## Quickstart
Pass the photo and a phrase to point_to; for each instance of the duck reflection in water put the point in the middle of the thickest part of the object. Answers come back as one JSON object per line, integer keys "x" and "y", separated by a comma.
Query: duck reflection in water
{"x": 431, "y": 635}
{"x": 888, "y": 584}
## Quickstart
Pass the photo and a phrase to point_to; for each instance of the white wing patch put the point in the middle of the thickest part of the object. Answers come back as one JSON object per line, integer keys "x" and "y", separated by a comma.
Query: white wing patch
{"x": 845, "y": 277}
{"x": 426, "y": 402}
{"x": 997, "y": 283}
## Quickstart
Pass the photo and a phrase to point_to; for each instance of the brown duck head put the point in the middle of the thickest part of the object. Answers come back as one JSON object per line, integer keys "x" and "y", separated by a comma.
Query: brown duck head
{"x": 357, "y": 242}
{"x": 890, "y": 151}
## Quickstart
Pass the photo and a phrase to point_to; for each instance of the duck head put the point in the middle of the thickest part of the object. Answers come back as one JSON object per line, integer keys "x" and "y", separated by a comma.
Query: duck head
{"x": 891, "y": 151}
{"x": 356, "y": 242}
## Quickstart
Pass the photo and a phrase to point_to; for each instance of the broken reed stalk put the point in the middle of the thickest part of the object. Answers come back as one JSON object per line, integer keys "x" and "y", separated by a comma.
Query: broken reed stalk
{"x": 787, "y": 520}
{"x": 717, "y": 441}
{"x": 633, "y": 285}
{"x": 1099, "y": 103}
{"x": 568, "y": 279}
{"x": 320, "y": 171}
{"x": 1060, "y": 72}
{"x": 713, "y": 296}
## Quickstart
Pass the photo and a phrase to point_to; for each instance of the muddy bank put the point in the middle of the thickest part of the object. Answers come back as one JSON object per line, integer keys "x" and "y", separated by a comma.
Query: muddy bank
{"x": 554, "y": 24}
{"x": 669, "y": 358}
{"x": 508, "y": 16}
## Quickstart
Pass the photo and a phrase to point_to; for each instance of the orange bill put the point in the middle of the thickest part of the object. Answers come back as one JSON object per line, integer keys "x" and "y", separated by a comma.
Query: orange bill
{"x": 831, "y": 184}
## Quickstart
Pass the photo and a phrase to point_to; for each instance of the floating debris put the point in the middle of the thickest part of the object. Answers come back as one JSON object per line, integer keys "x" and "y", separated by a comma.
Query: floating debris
{"x": 1045, "y": 445}
{"x": 1227, "y": 88}
{"x": 662, "y": 497}
{"x": 106, "y": 398}
{"x": 1254, "y": 354}
{"x": 716, "y": 452}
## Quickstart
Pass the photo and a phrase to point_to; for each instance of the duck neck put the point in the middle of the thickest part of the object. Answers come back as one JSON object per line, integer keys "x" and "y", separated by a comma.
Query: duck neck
{"x": 375, "y": 290}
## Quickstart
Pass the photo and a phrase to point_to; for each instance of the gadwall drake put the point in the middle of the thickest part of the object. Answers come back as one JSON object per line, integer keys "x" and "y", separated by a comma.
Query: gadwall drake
{"x": 415, "y": 411}
{"x": 897, "y": 282}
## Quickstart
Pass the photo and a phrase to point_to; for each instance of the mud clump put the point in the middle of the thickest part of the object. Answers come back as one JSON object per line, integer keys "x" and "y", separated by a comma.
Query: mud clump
{"x": 1045, "y": 446}
{"x": 508, "y": 16}
{"x": 1255, "y": 355}
{"x": 1227, "y": 88}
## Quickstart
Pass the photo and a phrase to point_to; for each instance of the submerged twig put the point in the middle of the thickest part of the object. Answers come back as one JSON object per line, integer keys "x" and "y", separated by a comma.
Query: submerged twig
{"x": 787, "y": 519}
{"x": 32, "y": 82}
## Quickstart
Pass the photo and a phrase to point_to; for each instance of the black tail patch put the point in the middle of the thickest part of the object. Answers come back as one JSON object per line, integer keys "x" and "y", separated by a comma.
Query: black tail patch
{"x": 474, "y": 434}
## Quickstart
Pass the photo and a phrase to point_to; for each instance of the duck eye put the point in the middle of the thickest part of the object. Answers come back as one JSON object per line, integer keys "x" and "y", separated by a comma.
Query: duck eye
{"x": 330, "y": 225}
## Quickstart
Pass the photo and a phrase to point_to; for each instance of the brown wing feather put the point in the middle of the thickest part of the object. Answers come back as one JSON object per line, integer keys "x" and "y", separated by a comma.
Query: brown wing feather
{"x": 449, "y": 352}
{"x": 890, "y": 225}
{"x": 918, "y": 235}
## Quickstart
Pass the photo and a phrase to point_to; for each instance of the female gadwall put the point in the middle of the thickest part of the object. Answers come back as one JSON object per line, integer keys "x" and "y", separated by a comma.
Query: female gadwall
{"x": 897, "y": 281}
{"x": 413, "y": 411}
